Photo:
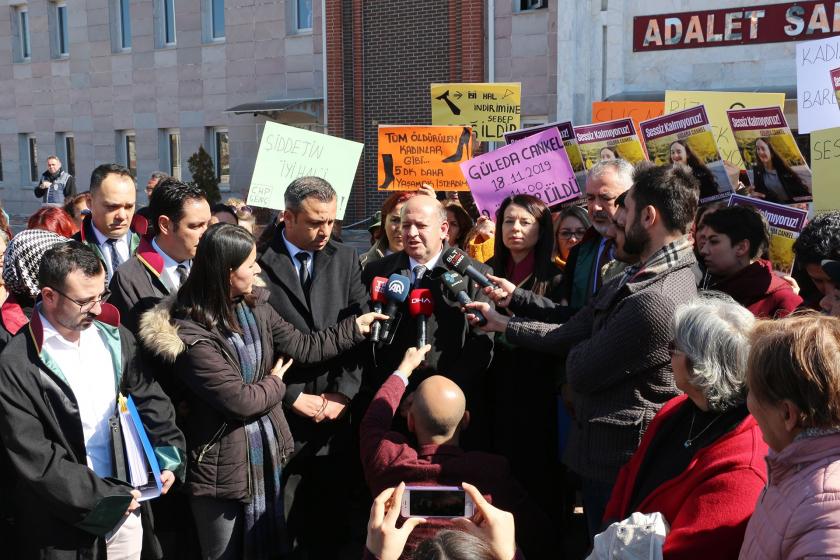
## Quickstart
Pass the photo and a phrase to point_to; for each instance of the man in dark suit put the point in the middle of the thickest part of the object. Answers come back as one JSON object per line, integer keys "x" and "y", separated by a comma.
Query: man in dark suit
{"x": 314, "y": 283}
{"x": 458, "y": 352}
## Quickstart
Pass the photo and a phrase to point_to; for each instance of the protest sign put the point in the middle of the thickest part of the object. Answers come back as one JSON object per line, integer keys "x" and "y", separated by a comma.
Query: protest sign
{"x": 785, "y": 224}
{"x": 567, "y": 134}
{"x": 815, "y": 101}
{"x": 609, "y": 140}
{"x": 825, "y": 165}
{"x": 535, "y": 165}
{"x": 686, "y": 137}
{"x": 775, "y": 166}
{"x": 490, "y": 109}
{"x": 287, "y": 153}
{"x": 603, "y": 111}
{"x": 412, "y": 155}
{"x": 835, "y": 83}
{"x": 717, "y": 104}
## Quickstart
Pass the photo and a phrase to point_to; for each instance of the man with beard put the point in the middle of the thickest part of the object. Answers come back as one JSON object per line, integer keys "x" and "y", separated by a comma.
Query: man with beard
{"x": 60, "y": 380}
{"x": 56, "y": 184}
{"x": 617, "y": 360}
{"x": 605, "y": 182}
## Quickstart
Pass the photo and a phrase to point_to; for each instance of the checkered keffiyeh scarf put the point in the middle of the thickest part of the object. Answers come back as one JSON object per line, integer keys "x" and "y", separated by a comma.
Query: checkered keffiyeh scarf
{"x": 23, "y": 258}
{"x": 659, "y": 262}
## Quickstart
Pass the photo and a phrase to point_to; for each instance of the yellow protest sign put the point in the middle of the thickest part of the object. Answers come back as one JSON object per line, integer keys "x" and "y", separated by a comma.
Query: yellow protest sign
{"x": 825, "y": 167}
{"x": 490, "y": 109}
{"x": 717, "y": 104}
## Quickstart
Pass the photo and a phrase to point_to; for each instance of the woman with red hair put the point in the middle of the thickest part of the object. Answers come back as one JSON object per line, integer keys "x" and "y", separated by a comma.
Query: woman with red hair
{"x": 54, "y": 219}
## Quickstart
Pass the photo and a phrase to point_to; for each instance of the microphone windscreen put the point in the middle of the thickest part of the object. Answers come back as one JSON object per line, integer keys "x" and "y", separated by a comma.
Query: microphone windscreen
{"x": 378, "y": 288}
{"x": 420, "y": 302}
{"x": 454, "y": 282}
{"x": 455, "y": 259}
{"x": 397, "y": 289}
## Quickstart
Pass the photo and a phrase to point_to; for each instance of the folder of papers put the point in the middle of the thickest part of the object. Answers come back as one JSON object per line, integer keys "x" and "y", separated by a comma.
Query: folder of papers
{"x": 143, "y": 468}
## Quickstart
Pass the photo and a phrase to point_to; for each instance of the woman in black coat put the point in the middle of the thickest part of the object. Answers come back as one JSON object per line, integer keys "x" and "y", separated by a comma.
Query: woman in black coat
{"x": 226, "y": 343}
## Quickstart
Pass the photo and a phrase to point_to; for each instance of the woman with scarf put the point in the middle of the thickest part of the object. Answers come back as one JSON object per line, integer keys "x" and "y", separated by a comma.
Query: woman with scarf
{"x": 521, "y": 382}
{"x": 226, "y": 343}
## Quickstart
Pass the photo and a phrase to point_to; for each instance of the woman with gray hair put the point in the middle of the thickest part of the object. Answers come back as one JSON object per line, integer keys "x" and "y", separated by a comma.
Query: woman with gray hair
{"x": 701, "y": 462}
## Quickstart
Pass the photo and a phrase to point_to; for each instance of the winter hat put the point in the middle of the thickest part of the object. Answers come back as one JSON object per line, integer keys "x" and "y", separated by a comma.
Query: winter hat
{"x": 23, "y": 259}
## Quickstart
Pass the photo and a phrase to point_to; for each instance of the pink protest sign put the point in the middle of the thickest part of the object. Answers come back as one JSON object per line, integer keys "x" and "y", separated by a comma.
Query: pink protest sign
{"x": 535, "y": 165}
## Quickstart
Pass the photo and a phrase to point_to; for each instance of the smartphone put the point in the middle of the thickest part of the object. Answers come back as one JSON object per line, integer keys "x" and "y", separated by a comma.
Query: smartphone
{"x": 436, "y": 502}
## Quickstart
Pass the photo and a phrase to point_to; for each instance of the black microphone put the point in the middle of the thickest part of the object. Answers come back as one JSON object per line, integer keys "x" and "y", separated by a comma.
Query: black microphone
{"x": 458, "y": 261}
{"x": 457, "y": 286}
{"x": 396, "y": 291}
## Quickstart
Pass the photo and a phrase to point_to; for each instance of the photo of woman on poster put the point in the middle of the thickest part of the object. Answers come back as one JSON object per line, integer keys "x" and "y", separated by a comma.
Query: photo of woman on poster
{"x": 680, "y": 152}
{"x": 608, "y": 153}
{"x": 773, "y": 179}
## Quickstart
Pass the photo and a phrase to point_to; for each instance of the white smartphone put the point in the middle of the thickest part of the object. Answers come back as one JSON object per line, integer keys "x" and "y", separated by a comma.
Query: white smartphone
{"x": 441, "y": 502}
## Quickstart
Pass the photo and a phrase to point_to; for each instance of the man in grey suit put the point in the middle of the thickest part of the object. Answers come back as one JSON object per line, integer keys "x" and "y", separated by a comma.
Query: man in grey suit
{"x": 314, "y": 283}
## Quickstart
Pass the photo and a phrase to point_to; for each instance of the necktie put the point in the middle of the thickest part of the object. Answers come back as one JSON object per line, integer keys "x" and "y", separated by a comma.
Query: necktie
{"x": 303, "y": 258}
{"x": 419, "y": 271}
{"x": 182, "y": 272}
{"x": 116, "y": 261}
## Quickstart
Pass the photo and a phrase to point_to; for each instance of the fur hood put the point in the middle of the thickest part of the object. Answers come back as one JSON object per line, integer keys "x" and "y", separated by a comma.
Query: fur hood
{"x": 158, "y": 334}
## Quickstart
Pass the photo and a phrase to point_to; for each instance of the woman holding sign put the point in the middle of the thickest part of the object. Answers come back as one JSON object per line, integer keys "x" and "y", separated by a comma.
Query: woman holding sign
{"x": 680, "y": 152}
{"x": 521, "y": 382}
{"x": 773, "y": 179}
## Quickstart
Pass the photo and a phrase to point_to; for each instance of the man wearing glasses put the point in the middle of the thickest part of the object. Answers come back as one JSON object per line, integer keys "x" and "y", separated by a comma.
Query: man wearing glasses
{"x": 59, "y": 382}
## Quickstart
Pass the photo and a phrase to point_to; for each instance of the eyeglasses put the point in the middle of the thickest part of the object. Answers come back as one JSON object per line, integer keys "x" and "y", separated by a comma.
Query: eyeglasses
{"x": 85, "y": 306}
{"x": 569, "y": 233}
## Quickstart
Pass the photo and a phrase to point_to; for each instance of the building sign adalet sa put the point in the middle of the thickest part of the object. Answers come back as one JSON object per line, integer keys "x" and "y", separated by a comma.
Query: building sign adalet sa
{"x": 771, "y": 23}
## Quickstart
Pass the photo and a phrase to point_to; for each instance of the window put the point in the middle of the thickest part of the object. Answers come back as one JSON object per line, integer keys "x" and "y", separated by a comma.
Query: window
{"x": 120, "y": 25}
{"x": 32, "y": 157}
{"x": 70, "y": 154}
{"x": 303, "y": 15}
{"x": 1, "y": 164}
{"x": 221, "y": 155}
{"x": 173, "y": 153}
{"x": 61, "y": 37}
{"x": 527, "y": 5}
{"x": 217, "y": 19}
{"x": 22, "y": 50}
{"x": 169, "y": 22}
{"x": 130, "y": 147}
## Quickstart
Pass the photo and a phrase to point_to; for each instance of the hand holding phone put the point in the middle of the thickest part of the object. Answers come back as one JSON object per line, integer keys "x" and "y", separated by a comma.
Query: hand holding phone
{"x": 436, "y": 502}
{"x": 490, "y": 524}
{"x": 384, "y": 540}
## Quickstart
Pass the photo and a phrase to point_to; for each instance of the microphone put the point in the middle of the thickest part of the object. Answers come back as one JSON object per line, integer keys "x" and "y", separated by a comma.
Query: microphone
{"x": 378, "y": 297}
{"x": 457, "y": 286}
{"x": 396, "y": 291}
{"x": 458, "y": 261}
{"x": 420, "y": 305}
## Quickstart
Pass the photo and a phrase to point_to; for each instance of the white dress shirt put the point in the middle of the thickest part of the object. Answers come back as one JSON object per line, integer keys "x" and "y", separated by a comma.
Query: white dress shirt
{"x": 429, "y": 264}
{"x": 170, "y": 266}
{"x": 122, "y": 245}
{"x": 89, "y": 371}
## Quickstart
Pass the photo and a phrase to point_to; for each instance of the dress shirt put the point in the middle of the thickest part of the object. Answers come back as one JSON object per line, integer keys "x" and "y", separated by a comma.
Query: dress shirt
{"x": 122, "y": 246}
{"x": 429, "y": 264}
{"x": 294, "y": 250}
{"x": 170, "y": 266}
{"x": 89, "y": 371}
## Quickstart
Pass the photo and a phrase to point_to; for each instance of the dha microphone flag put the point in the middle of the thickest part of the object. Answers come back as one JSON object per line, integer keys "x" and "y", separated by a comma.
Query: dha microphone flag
{"x": 458, "y": 261}
{"x": 396, "y": 291}
{"x": 457, "y": 286}
{"x": 377, "y": 295}
{"x": 421, "y": 306}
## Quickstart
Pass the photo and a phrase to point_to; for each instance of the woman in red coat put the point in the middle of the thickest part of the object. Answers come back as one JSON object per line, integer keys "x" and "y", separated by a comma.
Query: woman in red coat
{"x": 701, "y": 462}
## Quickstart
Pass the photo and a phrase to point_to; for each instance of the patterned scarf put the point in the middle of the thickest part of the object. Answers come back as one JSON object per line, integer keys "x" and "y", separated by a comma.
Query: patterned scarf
{"x": 659, "y": 262}
{"x": 265, "y": 525}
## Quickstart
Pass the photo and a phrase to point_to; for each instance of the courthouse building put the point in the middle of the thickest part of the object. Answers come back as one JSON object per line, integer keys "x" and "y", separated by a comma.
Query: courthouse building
{"x": 144, "y": 82}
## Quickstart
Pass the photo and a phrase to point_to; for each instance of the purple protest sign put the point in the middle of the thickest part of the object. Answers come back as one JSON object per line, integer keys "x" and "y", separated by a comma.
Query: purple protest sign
{"x": 535, "y": 165}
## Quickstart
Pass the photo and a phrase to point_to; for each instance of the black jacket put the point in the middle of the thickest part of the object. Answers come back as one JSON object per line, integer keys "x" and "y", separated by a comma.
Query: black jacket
{"x": 62, "y": 507}
{"x": 219, "y": 402}
{"x": 336, "y": 292}
{"x": 459, "y": 351}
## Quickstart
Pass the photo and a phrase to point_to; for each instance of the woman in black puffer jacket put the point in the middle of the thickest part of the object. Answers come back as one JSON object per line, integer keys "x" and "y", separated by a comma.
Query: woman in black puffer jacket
{"x": 226, "y": 343}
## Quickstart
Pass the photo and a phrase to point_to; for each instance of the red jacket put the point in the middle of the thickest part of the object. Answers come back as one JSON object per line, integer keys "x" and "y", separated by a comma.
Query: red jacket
{"x": 707, "y": 506}
{"x": 388, "y": 459}
{"x": 759, "y": 290}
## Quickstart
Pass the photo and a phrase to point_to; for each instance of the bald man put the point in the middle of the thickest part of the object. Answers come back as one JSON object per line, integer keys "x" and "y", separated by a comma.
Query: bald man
{"x": 437, "y": 416}
{"x": 458, "y": 351}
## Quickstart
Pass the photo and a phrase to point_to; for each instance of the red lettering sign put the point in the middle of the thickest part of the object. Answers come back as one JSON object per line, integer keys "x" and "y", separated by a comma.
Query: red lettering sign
{"x": 771, "y": 23}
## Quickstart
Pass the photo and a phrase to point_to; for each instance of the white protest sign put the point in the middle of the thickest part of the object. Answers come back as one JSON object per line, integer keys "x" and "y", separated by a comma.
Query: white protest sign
{"x": 287, "y": 153}
{"x": 815, "y": 100}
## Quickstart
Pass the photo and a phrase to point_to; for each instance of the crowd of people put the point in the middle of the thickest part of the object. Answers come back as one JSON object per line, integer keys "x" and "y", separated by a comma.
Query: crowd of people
{"x": 633, "y": 354}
